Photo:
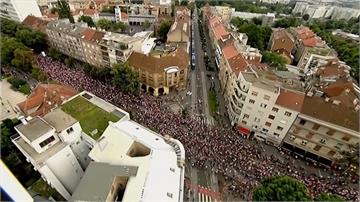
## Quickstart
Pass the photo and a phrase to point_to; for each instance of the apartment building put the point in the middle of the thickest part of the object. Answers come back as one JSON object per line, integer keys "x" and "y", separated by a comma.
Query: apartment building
{"x": 18, "y": 10}
{"x": 326, "y": 129}
{"x": 224, "y": 12}
{"x": 306, "y": 44}
{"x": 91, "y": 40}
{"x": 82, "y": 161}
{"x": 66, "y": 38}
{"x": 282, "y": 42}
{"x": 159, "y": 75}
{"x": 45, "y": 146}
{"x": 179, "y": 33}
{"x": 345, "y": 13}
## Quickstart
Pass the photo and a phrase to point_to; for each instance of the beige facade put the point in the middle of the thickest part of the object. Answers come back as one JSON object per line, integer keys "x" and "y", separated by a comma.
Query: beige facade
{"x": 66, "y": 38}
{"x": 320, "y": 141}
{"x": 159, "y": 76}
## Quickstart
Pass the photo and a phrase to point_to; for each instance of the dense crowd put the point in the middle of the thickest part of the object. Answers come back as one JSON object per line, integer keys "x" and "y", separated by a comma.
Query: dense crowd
{"x": 214, "y": 148}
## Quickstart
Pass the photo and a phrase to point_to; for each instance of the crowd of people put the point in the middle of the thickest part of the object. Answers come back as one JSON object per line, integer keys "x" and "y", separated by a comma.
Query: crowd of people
{"x": 207, "y": 147}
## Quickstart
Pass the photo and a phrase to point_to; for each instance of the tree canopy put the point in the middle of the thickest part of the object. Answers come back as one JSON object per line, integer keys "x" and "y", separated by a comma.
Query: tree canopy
{"x": 164, "y": 29}
{"x": 104, "y": 24}
{"x": 258, "y": 36}
{"x": 7, "y": 130}
{"x": 64, "y": 10}
{"x": 89, "y": 21}
{"x": 125, "y": 78}
{"x": 328, "y": 197}
{"x": 281, "y": 188}
{"x": 287, "y": 22}
{"x": 274, "y": 60}
{"x": 15, "y": 53}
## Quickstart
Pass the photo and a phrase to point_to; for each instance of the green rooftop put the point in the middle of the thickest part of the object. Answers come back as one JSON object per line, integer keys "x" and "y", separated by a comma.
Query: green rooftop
{"x": 93, "y": 119}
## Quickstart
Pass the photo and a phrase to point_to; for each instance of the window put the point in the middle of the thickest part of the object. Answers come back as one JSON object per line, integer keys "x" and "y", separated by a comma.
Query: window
{"x": 322, "y": 141}
{"x": 274, "y": 109}
{"x": 268, "y": 124}
{"x": 272, "y": 117}
{"x": 287, "y": 113}
{"x": 346, "y": 138}
{"x": 304, "y": 142}
{"x": 265, "y": 130}
{"x": 70, "y": 130}
{"x": 309, "y": 135}
{"x": 257, "y": 119}
{"x": 316, "y": 126}
{"x": 251, "y": 101}
{"x": 330, "y": 132}
{"x": 254, "y": 93}
{"x": 279, "y": 128}
{"x": 244, "y": 122}
{"x": 266, "y": 97}
{"x": 246, "y": 116}
{"x": 263, "y": 105}
{"x": 302, "y": 122}
{"x": 47, "y": 141}
{"x": 276, "y": 134}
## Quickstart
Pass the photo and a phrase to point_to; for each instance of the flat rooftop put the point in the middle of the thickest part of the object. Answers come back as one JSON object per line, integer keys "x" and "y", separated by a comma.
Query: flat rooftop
{"x": 59, "y": 119}
{"x": 95, "y": 188}
{"x": 35, "y": 128}
{"x": 42, "y": 157}
{"x": 93, "y": 113}
{"x": 159, "y": 176}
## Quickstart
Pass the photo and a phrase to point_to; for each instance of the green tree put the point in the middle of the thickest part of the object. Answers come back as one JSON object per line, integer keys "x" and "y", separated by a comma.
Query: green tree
{"x": 64, "y": 10}
{"x": 22, "y": 59}
{"x": 274, "y": 60}
{"x": 281, "y": 188}
{"x": 38, "y": 74}
{"x": 8, "y": 46}
{"x": 146, "y": 24}
{"x": 125, "y": 78}
{"x": 104, "y": 24}
{"x": 32, "y": 38}
{"x": 257, "y": 21}
{"x": 54, "y": 54}
{"x": 7, "y": 130}
{"x": 89, "y": 21}
{"x": 120, "y": 25}
{"x": 287, "y": 22}
{"x": 164, "y": 29}
{"x": 8, "y": 27}
{"x": 53, "y": 10}
{"x": 328, "y": 197}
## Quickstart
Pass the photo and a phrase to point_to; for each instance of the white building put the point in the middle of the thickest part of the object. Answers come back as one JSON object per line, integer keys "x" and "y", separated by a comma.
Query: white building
{"x": 275, "y": 1}
{"x": 18, "y": 10}
{"x": 141, "y": 165}
{"x": 345, "y": 13}
{"x": 61, "y": 145}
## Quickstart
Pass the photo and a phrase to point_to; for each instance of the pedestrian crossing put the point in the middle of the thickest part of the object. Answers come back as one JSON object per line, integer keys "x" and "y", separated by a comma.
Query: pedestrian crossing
{"x": 202, "y": 194}
{"x": 209, "y": 121}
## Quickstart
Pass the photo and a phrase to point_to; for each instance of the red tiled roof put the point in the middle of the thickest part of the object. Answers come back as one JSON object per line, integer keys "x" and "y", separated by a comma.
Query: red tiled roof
{"x": 338, "y": 87}
{"x": 35, "y": 22}
{"x": 92, "y": 35}
{"x": 290, "y": 99}
{"x": 229, "y": 51}
{"x": 217, "y": 28}
{"x": 45, "y": 97}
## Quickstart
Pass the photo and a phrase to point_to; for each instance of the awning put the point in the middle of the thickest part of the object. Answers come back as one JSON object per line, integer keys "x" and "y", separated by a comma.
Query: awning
{"x": 243, "y": 130}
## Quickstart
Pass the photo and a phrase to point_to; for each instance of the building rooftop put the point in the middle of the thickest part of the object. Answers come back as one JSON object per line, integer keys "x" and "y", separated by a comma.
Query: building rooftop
{"x": 59, "y": 119}
{"x": 34, "y": 128}
{"x": 35, "y": 22}
{"x": 93, "y": 35}
{"x": 65, "y": 26}
{"x": 42, "y": 157}
{"x": 178, "y": 58}
{"x": 93, "y": 113}
{"x": 160, "y": 162}
{"x": 290, "y": 99}
{"x": 95, "y": 188}
{"x": 337, "y": 114}
{"x": 44, "y": 98}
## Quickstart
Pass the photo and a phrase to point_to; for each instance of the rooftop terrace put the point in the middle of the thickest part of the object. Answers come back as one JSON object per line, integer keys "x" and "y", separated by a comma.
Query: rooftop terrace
{"x": 93, "y": 116}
